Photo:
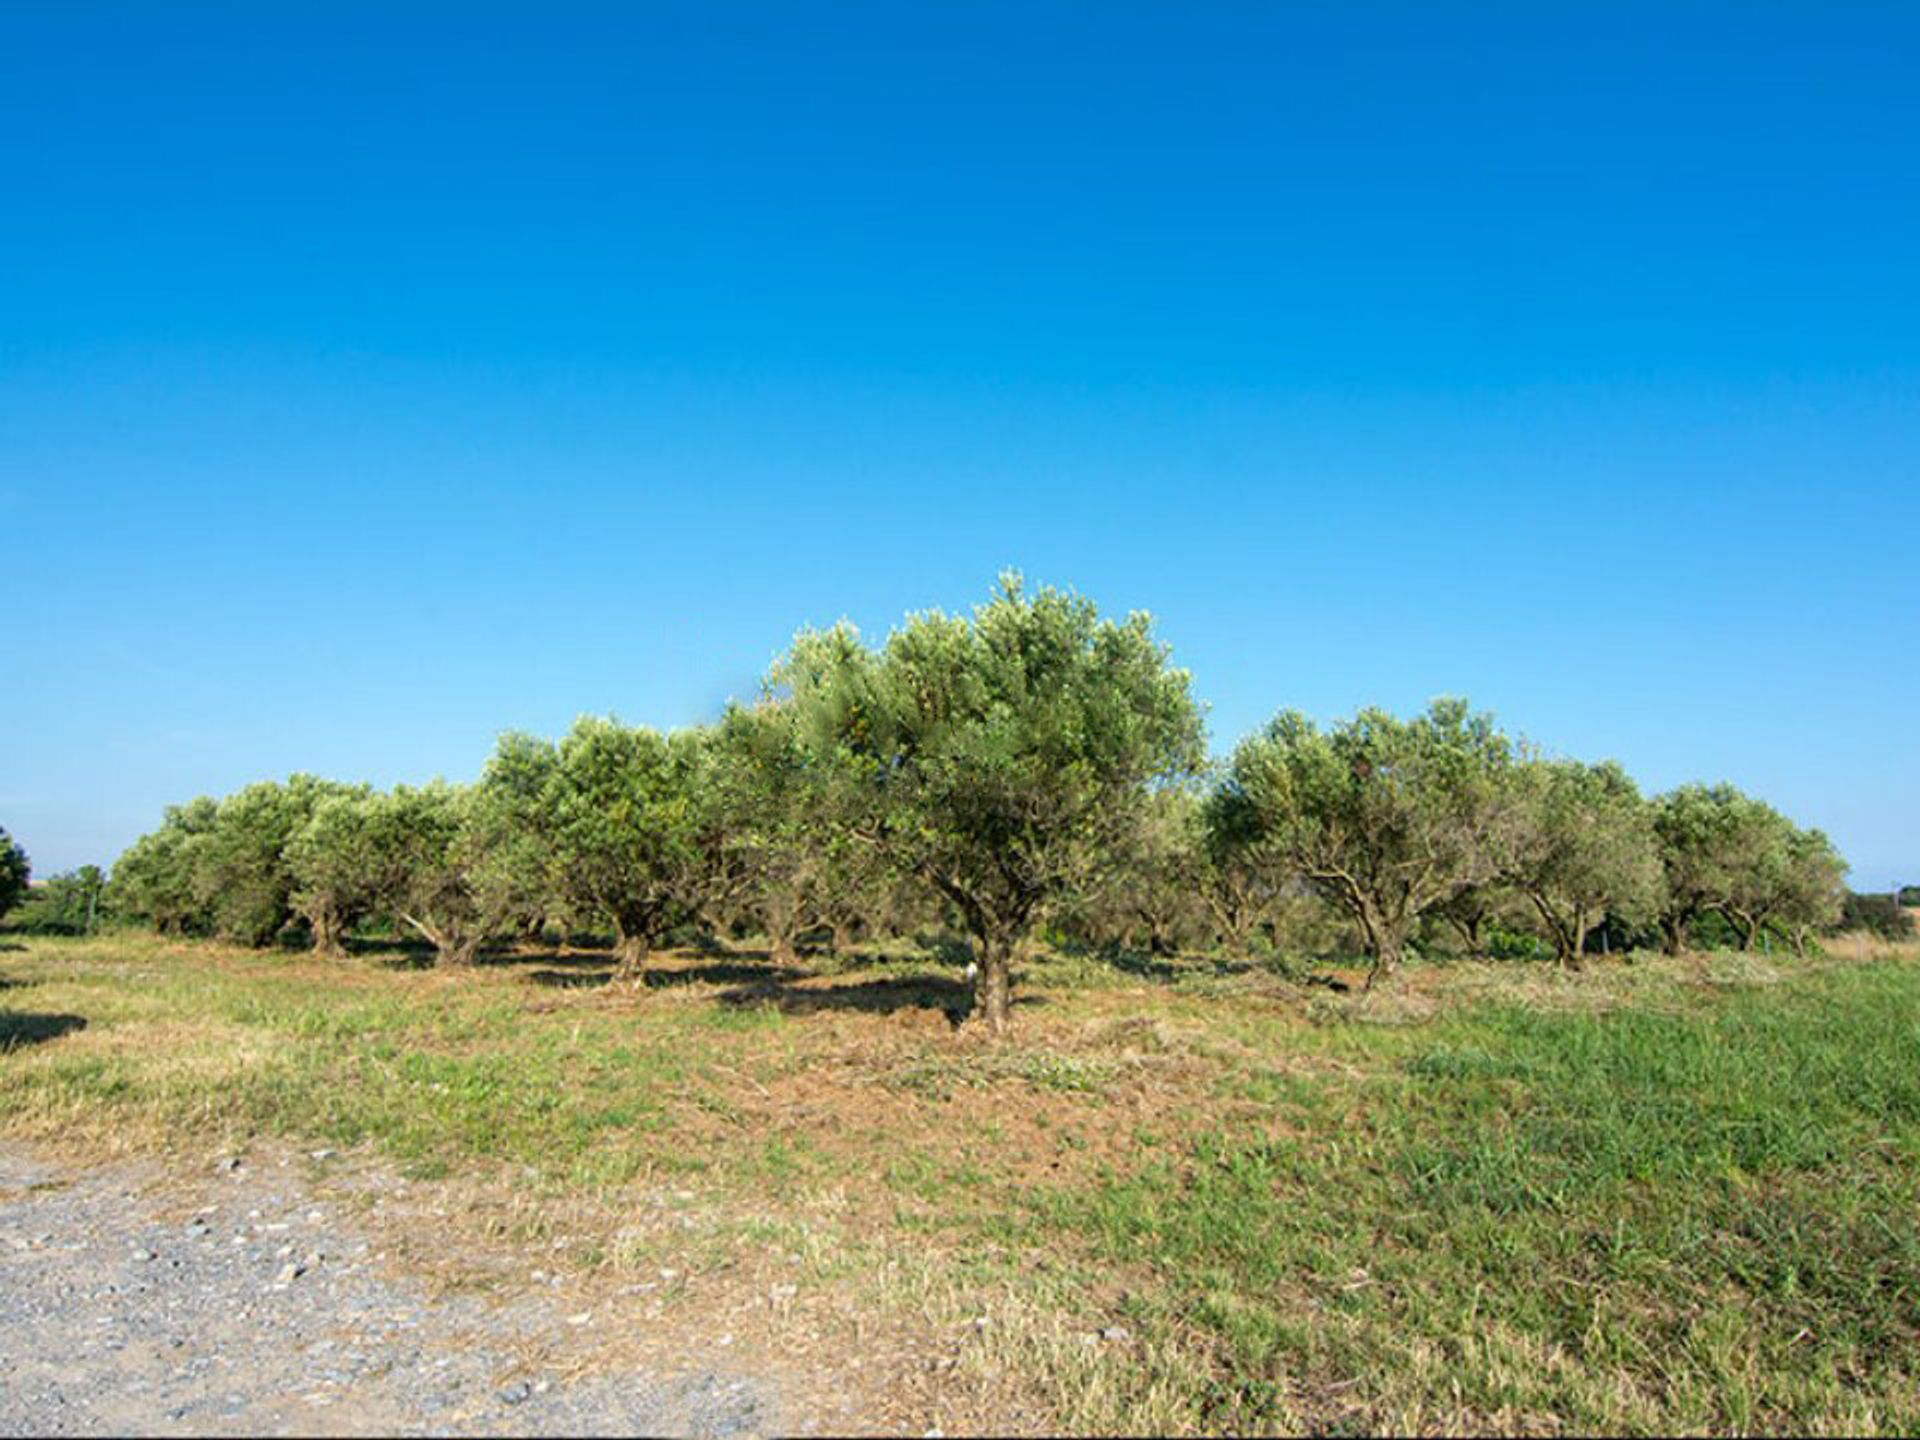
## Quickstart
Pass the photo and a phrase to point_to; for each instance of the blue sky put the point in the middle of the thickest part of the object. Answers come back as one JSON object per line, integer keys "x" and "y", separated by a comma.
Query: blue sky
{"x": 375, "y": 379}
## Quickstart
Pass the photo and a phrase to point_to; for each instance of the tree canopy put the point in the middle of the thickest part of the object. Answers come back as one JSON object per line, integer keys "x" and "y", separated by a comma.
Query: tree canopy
{"x": 1386, "y": 818}
{"x": 15, "y": 871}
{"x": 1001, "y": 756}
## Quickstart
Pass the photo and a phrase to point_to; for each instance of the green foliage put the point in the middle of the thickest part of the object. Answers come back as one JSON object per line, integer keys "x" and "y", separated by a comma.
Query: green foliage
{"x": 65, "y": 904}
{"x": 612, "y": 822}
{"x": 792, "y": 853}
{"x": 157, "y": 878}
{"x": 221, "y": 867}
{"x": 1002, "y": 757}
{"x": 1236, "y": 884}
{"x": 1877, "y": 915}
{"x": 15, "y": 871}
{"x": 1150, "y": 897}
{"x": 1583, "y": 848}
{"x": 1727, "y": 853}
{"x": 1503, "y": 943}
{"x": 241, "y": 876}
{"x": 1387, "y": 818}
{"x": 330, "y": 861}
{"x": 420, "y": 859}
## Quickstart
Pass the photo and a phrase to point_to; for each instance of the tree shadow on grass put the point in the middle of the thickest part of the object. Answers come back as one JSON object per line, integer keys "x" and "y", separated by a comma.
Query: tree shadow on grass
{"x": 394, "y": 958}
{"x": 571, "y": 979}
{"x": 1160, "y": 969}
{"x": 720, "y": 973}
{"x": 20, "y": 1029}
{"x": 953, "y": 998}
{"x": 569, "y": 958}
{"x": 784, "y": 987}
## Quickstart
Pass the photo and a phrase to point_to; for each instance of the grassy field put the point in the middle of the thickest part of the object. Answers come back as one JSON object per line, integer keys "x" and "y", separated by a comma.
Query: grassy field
{"x": 1658, "y": 1196}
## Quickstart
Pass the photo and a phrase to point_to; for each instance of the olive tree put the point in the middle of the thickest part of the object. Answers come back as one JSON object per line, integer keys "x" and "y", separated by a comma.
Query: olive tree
{"x": 333, "y": 861}
{"x": 1722, "y": 852}
{"x": 1002, "y": 756}
{"x": 241, "y": 874}
{"x": 1386, "y": 818}
{"x": 777, "y": 832}
{"x": 617, "y": 818}
{"x": 156, "y": 879}
{"x": 1584, "y": 848}
{"x": 15, "y": 871}
{"x": 1472, "y": 913}
{"x": 1154, "y": 891}
{"x": 512, "y": 829}
{"x": 1796, "y": 885}
{"x": 1237, "y": 888}
{"x": 421, "y": 857}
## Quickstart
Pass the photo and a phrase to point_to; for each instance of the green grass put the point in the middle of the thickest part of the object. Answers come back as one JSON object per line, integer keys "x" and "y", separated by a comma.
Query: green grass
{"x": 1660, "y": 1196}
{"x": 1621, "y": 1221}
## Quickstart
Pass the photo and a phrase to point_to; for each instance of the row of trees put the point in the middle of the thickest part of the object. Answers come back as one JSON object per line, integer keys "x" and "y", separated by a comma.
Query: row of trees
{"x": 1030, "y": 765}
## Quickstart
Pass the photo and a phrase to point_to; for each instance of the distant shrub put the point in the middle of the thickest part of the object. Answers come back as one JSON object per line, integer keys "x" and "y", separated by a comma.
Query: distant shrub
{"x": 1503, "y": 944}
{"x": 1910, "y": 895}
{"x": 1877, "y": 915}
{"x": 68, "y": 904}
{"x": 14, "y": 873}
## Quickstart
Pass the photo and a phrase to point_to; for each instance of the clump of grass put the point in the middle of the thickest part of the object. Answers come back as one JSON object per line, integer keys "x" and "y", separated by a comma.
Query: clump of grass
{"x": 940, "y": 1077}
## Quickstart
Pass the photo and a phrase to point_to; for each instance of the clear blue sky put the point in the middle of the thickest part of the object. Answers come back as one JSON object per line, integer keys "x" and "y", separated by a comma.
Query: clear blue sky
{"x": 375, "y": 379}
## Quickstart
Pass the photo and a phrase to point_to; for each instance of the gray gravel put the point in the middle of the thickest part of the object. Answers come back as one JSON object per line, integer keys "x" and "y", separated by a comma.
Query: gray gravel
{"x": 268, "y": 1313}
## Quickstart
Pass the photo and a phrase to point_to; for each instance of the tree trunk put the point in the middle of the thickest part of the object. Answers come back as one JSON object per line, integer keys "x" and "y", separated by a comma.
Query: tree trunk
{"x": 1675, "y": 930}
{"x": 327, "y": 935}
{"x": 993, "y": 985}
{"x": 843, "y": 937}
{"x": 1748, "y": 930}
{"x": 630, "y": 952}
{"x": 1237, "y": 931}
{"x": 1469, "y": 932}
{"x": 1574, "y": 942}
{"x": 780, "y": 947}
{"x": 1386, "y": 958}
{"x": 1384, "y": 940}
{"x": 452, "y": 953}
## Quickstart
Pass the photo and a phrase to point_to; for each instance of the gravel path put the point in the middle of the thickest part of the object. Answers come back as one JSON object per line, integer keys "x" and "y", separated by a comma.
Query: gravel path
{"x": 268, "y": 1312}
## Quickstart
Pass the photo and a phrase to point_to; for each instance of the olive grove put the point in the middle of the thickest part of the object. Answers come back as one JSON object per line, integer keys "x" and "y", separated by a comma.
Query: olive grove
{"x": 1031, "y": 768}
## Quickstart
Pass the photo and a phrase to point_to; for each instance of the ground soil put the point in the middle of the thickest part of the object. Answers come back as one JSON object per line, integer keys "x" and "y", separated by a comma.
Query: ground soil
{"x": 270, "y": 1295}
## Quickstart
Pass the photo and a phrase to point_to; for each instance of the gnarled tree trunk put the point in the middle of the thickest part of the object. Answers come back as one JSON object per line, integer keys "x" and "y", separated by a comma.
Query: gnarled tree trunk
{"x": 630, "y": 950}
{"x": 452, "y": 947}
{"x": 328, "y": 933}
{"x": 1674, "y": 928}
{"x": 1385, "y": 941}
{"x": 1471, "y": 930}
{"x": 993, "y": 984}
{"x": 780, "y": 947}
